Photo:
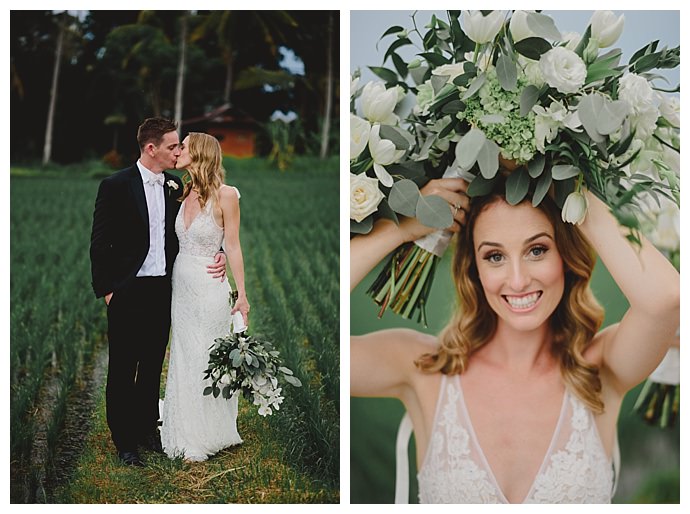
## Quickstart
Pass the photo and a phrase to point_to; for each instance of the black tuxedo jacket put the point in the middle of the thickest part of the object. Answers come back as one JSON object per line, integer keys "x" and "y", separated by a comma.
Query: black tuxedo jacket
{"x": 120, "y": 231}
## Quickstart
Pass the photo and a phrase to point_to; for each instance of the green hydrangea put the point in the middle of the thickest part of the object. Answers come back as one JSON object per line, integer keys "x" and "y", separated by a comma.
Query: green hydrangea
{"x": 514, "y": 133}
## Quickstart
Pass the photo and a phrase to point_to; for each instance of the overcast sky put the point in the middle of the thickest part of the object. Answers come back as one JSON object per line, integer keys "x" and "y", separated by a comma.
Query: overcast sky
{"x": 641, "y": 27}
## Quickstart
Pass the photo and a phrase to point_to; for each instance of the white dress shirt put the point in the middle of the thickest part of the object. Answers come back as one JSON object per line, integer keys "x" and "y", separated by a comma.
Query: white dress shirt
{"x": 154, "y": 264}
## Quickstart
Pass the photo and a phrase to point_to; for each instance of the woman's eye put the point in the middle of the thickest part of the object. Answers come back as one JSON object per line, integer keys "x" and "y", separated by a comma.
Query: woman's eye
{"x": 537, "y": 251}
{"x": 494, "y": 258}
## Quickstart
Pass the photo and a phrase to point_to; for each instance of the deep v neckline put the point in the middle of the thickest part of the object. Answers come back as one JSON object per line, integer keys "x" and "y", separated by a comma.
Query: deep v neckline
{"x": 485, "y": 461}
{"x": 184, "y": 209}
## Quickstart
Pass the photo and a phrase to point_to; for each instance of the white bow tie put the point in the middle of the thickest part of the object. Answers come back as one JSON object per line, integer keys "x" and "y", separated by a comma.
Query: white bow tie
{"x": 156, "y": 179}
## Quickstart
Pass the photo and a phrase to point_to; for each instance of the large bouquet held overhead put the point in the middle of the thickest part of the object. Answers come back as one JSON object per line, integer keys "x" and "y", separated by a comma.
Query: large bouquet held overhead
{"x": 507, "y": 92}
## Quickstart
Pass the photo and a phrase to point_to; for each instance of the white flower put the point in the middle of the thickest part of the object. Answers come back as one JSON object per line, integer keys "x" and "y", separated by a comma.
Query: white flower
{"x": 563, "y": 69}
{"x": 669, "y": 107}
{"x": 518, "y": 26}
{"x": 365, "y": 196}
{"x": 172, "y": 184}
{"x": 548, "y": 121}
{"x": 354, "y": 82}
{"x": 574, "y": 208}
{"x": 450, "y": 70}
{"x": 378, "y": 103}
{"x": 606, "y": 29}
{"x": 483, "y": 60}
{"x": 571, "y": 40}
{"x": 479, "y": 28}
{"x": 643, "y": 103}
{"x": 666, "y": 233}
{"x": 359, "y": 135}
{"x": 531, "y": 70}
{"x": 384, "y": 153}
{"x": 226, "y": 379}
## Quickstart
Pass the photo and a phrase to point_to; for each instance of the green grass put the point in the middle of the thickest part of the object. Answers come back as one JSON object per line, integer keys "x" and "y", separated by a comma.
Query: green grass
{"x": 289, "y": 234}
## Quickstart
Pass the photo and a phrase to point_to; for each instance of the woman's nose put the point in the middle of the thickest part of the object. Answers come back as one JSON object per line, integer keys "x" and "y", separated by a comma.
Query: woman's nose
{"x": 519, "y": 277}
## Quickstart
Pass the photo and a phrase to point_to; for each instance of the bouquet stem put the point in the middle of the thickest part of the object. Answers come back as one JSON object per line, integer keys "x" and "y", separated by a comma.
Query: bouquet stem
{"x": 658, "y": 404}
{"x": 405, "y": 282}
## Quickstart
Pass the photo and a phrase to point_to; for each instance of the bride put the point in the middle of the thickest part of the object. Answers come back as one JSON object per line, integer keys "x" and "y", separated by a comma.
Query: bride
{"x": 197, "y": 426}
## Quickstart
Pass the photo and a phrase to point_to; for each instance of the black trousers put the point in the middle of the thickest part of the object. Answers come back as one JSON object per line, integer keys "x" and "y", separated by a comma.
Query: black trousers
{"x": 138, "y": 331}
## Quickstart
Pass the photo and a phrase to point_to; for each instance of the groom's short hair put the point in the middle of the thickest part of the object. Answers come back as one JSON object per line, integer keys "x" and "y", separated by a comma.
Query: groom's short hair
{"x": 152, "y": 130}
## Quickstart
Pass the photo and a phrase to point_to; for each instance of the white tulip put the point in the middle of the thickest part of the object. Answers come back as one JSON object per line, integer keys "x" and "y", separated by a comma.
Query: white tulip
{"x": 378, "y": 103}
{"x": 518, "y": 26}
{"x": 365, "y": 196}
{"x": 563, "y": 69}
{"x": 606, "y": 28}
{"x": 449, "y": 70}
{"x": 359, "y": 135}
{"x": 574, "y": 208}
{"x": 354, "y": 82}
{"x": 479, "y": 28}
{"x": 384, "y": 153}
{"x": 571, "y": 40}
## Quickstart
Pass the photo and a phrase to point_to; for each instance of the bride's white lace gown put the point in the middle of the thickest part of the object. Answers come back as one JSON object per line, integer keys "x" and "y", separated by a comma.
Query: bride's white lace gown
{"x": 196, "y": 426}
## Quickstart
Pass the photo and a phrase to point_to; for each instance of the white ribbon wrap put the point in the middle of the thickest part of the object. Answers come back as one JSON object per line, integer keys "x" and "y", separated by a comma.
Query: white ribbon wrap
{"x": 668, "y": 371}
{"x": 237, "y": 322}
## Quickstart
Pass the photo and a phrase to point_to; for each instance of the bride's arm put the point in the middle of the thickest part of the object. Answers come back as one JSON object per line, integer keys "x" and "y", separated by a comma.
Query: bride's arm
{"x": 631, "y": 349}
{"x": 230, "y": 206}
{"x": 382, "y": 363}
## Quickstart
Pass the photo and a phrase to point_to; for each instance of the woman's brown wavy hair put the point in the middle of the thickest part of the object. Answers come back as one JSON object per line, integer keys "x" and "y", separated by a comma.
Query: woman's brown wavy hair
{"x": 205, "y": 172}
{"x": 573, "y": 324}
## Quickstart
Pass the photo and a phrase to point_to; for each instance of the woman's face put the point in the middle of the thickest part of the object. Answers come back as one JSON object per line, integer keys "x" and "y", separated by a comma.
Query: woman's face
{"x": 519, "y": 266}
{"x": 184, "y": 159}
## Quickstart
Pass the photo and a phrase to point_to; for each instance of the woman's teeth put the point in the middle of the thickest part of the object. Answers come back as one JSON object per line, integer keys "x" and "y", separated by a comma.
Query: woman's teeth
{"x": 523, "y": 302}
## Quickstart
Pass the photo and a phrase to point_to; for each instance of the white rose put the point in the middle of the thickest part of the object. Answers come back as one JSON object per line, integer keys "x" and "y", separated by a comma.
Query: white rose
{"x": 643, "y": 102}
{"x": 518, "y": 26}
{"x": 479, "y": 28}
{"x": 365, "y": 196}
{"x": 359, "y": 135}
{"x": 606, "y": 28}
{"x": 378, "y": 103}
{"x": 574, "y": 208}
{"x": 563, "y": 69}
{"x": 669, "y": 107}
{"x": 449, "y": 70}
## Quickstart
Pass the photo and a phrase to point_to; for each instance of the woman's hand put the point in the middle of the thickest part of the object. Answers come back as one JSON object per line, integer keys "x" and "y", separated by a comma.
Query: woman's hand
{"x": 217, "y": 269}
{"x": 453, "y": 191}
{"x": 242, "y": 305}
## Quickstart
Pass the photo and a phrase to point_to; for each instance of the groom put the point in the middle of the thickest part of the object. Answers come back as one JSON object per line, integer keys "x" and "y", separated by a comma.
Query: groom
{"x": 133, "y": 248}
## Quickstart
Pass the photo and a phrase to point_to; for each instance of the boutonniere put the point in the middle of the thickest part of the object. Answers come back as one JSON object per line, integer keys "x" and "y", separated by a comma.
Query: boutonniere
{"x": 172, "y": 184}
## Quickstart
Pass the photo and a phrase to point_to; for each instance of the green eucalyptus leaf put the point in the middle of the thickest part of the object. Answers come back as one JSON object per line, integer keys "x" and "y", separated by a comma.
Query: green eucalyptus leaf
{"x": 227, "y": 392}
{"x": 517, "y": 185}
{"x": 564, "y": 171}
{"x": 216, "y": 391}
{"x": 363, "y": 227}
{"x": 437, "y": 83}
{"x": 236, "y": 360}
{"x": 293, "y": 381}
{"x": 388, "y": 75}
{"x": 488, "y": 159}
{"x": 476, "y": 85}
{"x": 528, "y": 99}
{"x": 386, "y": 212}
{"x": 468, "y": 148}
{"x": 463, "y": 79}
{"x": 611, "y": 116}
{"x": 543, "y": 26}
{"x": 536, "y": 166}
{"x": 403, "y": 197}
{"x": 208, "y": 390}
{"x": 480, "y": 186}
{"x": 418, "y": 74}
{"x": 453, "y": 107}
{"x": 588, "y": 111}
{"x": 434, "y": 58}
{"x": 285, "y": 370}
{"x": 533, "y": 47}
{"x": 506, "y": 72}
{"x": 434, "y": 211}
{"x": 454, "y": 122}
{"x": 541, "y": 189}
{"x": 392, "y": 134}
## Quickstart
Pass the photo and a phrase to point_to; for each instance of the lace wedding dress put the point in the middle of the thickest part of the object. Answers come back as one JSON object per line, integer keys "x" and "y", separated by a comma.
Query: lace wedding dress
{"x": 196, "y": 426}
{"x": 575, "y": 468}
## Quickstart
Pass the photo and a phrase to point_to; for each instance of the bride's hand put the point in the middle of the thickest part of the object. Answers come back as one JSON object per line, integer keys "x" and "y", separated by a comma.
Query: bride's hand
{"x": 242, "y": 305}
{"x": 453, "y": 191}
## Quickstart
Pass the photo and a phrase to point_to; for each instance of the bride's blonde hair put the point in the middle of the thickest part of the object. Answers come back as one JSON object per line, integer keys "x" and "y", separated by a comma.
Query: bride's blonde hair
{"x": 573, "y": 324}
{"x": 205, "y": 172}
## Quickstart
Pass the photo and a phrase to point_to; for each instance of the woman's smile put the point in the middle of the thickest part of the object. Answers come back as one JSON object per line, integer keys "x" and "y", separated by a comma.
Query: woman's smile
{"x": 523, "y": 303}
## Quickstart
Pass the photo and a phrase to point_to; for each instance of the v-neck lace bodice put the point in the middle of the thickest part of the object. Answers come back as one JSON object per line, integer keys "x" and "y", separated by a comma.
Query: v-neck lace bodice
{"x": 203, "y": 237}
{"x": 575, "y": 468}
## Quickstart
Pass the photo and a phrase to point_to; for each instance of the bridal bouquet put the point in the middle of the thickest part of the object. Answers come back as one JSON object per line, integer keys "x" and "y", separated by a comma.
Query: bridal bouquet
{"x": 242, "y": 363}
{"x": 507, "y": 92}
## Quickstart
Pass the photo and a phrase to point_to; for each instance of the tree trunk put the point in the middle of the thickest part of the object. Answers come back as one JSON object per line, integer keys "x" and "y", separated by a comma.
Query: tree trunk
{"x": 326, "y": 125}
{"x": 179, "y": 90}
{"x": 229, "y": 64}
{"x": 48, "y": 144}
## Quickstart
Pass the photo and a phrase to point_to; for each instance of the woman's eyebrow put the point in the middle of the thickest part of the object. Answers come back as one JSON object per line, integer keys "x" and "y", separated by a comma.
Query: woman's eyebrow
{"x": 527, "y": 241}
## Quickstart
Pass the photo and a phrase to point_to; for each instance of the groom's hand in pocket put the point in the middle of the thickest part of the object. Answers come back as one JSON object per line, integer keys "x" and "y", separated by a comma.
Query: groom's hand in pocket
{"x": 217, "y": 269}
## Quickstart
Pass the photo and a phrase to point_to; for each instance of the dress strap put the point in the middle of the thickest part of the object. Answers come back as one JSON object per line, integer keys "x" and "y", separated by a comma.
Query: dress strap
{"x": 402, "y": 465}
